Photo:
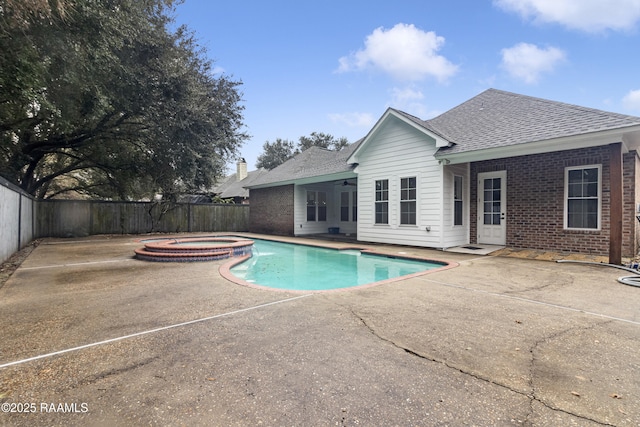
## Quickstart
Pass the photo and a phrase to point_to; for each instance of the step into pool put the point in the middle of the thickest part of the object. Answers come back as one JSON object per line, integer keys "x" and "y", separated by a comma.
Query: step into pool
{"x": 308, "y": 268}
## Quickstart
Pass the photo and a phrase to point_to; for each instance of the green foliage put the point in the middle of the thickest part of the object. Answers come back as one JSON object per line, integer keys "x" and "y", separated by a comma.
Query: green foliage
{"x": 276, "y": 153}
{"x": 21, "y": 13}
{"x": 108, "y": 102}
{"x": 322, "y": 140}
{"x": 218, "y": 199}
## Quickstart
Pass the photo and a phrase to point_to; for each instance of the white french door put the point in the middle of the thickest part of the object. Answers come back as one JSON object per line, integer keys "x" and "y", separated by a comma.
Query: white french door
{"x": 492, "y": 208}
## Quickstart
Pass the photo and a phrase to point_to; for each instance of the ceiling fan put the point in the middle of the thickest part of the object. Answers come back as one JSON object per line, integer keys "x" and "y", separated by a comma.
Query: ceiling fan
{"x": 345, "y": 183}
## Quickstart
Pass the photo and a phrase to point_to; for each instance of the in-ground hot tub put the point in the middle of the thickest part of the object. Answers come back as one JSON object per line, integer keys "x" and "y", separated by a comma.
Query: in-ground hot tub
{"x": 187, "y": 249}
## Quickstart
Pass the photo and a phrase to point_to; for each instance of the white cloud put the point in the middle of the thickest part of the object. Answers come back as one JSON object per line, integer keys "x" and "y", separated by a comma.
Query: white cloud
{"x": 402, "y": 96}
{"x": 355, "y": 119}
{"x": 632, "y": 100}
{"x": 527, "y": 61}
{"x": 584, "y": 15}
{"x": 405, "y": 52}
{"x": 409, "y": 99}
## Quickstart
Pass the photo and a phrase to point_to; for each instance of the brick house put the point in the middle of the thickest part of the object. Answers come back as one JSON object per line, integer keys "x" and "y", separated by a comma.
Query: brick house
{"x": 500, "y": 169}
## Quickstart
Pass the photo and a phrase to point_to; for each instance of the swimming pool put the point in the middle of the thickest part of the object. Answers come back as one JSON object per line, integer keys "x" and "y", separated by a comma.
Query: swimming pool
{"x": 308, "y": 268}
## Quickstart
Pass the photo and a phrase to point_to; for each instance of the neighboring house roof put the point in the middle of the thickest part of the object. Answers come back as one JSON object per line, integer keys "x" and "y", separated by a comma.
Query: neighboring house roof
{"x": 311, "y": 163}
{"x": 496, "y": 118}
{"x": 231, "y": 187}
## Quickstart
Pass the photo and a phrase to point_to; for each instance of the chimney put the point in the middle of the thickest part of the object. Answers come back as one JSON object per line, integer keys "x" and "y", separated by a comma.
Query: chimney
{"x": 241, "y": 169}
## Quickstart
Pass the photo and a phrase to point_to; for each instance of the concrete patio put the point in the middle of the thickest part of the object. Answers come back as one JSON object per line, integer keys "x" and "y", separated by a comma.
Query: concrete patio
{"x": 91, "y": 336}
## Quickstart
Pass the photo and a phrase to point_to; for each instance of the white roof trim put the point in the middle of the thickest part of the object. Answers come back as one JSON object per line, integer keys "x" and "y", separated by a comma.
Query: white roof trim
{"x": 440, "y": 141}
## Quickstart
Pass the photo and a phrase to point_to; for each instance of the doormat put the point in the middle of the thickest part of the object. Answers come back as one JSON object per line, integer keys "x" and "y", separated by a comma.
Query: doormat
{"x": 473, "y": 248}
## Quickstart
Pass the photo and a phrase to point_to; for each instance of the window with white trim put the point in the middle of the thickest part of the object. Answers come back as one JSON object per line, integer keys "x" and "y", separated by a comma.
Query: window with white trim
{"x": 354, "y": 207}
{"x": 344, "y": 206}
{"x": 311, "y": 205}
{"x": 316, "y": 206}
{"x": 458, "y": 206}
{"x": 322, "y": 206}
{"x": 382, "y": 201}
{"x": 583, "y": 197}
{"x": 348, "y": 206}
{"x": 408, "y": 201}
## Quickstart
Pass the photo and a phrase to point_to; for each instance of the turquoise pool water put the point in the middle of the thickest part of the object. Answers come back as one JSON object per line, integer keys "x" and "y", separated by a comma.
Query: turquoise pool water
{"x": 299, "y": 267}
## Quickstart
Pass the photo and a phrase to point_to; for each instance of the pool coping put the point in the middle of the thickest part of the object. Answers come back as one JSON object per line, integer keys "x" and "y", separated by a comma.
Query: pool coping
{"x": 225, "y": 269}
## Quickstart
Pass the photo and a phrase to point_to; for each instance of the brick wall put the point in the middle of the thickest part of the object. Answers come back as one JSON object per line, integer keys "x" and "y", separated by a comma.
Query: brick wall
{"x": 271, "y": 210}
{"x": 535, "y": 201}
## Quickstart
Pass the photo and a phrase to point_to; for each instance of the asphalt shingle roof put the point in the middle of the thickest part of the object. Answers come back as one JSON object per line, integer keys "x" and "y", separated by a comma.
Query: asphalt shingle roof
{"x": 314, "y": 161}
{"x": 491, "y": 119}
{"x": 231, "y": 187}
{"x": 496, "y": 118}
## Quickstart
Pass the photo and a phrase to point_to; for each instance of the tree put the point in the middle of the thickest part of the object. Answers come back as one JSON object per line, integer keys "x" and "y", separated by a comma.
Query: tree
{"x": 20, "y": 13}
{"x": 322, "y": 140}
{"x": 278, "y": 152}
{"x": 275, "y": 153}
{"x": 107, "y": 102}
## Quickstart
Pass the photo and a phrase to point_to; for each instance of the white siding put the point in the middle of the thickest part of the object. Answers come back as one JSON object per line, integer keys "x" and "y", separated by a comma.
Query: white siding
{"x": 398, "y": 151}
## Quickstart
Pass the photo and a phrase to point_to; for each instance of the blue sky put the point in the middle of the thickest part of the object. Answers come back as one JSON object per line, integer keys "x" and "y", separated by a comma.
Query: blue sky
{"x": 336, "y": 66}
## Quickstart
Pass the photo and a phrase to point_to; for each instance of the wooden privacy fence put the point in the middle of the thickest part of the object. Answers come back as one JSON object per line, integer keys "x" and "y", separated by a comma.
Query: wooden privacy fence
{"x": 70, "y": 218}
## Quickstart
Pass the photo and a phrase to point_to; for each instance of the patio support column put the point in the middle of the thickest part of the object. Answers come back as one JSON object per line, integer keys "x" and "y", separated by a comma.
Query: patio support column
{"x": 615, "y": 201}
